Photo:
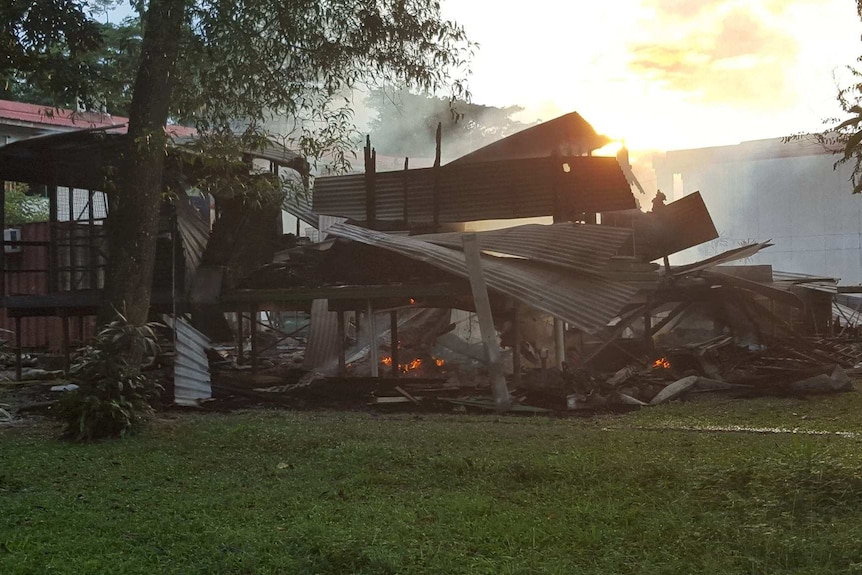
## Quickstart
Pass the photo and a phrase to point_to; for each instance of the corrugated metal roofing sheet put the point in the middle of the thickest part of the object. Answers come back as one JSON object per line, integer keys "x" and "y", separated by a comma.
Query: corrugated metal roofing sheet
{"x": 681, "y": 224}
{"x": 569, "y": 134}
{"x": 817, "y": 283}
{"x": 321, "y": 352}
{"x": 587, "y": 302}
{"x": 191, "y": 368}
{"x": 581, "y": 247}
{"x": 82, "y": 158}
{"x": 299, "y": 205}
{"x": 722, "y": 258}
{"x": 482, "y": 191}
{"x": 194, "y": 233}
{"x": 675, "y": 227}
{"x": 63, "y": 118}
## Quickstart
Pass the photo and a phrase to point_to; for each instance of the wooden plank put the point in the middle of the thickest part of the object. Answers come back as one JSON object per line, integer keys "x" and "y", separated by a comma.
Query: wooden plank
{"x": 502, "y": 399}
{"x": 406, "y": 394}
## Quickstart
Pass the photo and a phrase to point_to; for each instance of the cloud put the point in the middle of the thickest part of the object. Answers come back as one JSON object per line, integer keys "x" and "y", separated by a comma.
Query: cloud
{"x": 718, "y": 51}
{"x": 683, "y": 8}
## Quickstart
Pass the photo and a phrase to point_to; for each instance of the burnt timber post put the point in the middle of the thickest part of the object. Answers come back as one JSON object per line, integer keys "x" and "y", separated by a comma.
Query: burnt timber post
{"x": 3, "y": 239}
{"x": 64, "y": 344}
{"x": 53, "y": 283}
{"x": 406, "y": 214}
{"x": 516, "y": 346}
{"x": 70, "y": 234}
{"x": 239, "y": 346}
{"x": 18, "y": 350}
{"x": 393, "y": 341}
{"x": 91, "y": 241}
{"x": 436, "y": 193}
{"x": 254, "y": 339}
{"x": 342, "y": 367}
{"x": 370, "y": 192}
{"x": 648, "y": 341}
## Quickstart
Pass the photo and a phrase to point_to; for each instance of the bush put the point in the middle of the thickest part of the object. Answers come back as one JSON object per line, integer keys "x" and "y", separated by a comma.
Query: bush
{"x": 114, "y": 397}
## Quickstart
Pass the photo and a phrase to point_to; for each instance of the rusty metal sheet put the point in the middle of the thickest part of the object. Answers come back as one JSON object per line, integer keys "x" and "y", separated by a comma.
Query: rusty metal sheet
{"x": 585, "y": 301}
{"x": 483, "y": 191}
{"x": 581, "y": 247}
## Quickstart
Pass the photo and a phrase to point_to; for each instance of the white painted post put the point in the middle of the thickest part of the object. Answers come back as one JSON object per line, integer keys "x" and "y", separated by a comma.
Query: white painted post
{"x": 372, "y": 337}
{"x": 486, "y": 322}
{"x": 559, "y": 343}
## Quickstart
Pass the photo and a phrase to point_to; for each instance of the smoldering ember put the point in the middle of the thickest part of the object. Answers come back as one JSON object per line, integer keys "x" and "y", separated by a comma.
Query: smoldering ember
{"x": 391, "y": 294}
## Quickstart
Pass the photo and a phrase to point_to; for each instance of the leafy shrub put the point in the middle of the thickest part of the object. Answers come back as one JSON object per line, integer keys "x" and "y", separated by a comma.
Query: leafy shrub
{"x": 113, "y": 398}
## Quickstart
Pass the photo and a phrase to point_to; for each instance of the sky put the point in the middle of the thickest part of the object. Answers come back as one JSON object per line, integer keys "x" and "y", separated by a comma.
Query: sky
{"x": 665, "y": 74}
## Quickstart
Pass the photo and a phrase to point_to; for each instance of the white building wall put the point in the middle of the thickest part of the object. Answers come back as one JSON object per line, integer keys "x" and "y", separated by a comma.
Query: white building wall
{"x": 804, "y": 206}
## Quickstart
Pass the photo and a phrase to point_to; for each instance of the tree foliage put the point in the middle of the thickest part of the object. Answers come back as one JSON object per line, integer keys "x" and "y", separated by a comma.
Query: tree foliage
{"x": 113, "y": 396}
{"x": 22, "y": 208}
{"x": 227, "y": 68}
{"x": 843, "y": 135}
{"x": 406, "y": 123}
{"x": 242, "y": 64}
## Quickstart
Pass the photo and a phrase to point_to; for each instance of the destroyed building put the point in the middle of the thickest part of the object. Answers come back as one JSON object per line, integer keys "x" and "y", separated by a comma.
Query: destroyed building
{"x": 581, "y": 311}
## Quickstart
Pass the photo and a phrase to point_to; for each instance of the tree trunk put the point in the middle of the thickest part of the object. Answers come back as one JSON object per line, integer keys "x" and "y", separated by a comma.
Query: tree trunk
{"x": 134, "y": 216}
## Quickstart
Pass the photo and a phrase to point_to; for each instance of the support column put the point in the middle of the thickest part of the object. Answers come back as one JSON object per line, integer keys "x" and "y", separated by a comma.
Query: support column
{"x": 486, "y": 321}
{"x": 342, "y": 335}
{"x": 516, "y": 347}
{"x": 372, "y": 340}
{"x": 559, "y": 343}
{"x": 64, "y": 344}
{"x": 17, "y": 349}
{"x": 53, "y": 282}
{"x": 393, "y": 342}
{"x": 2, "y": 239}
{"x": 73, "y": 257}
{"x": 648, "y": 341}
{"x": 239, "y": 342}
{"x": 91, "y": 241}
{"x": 254, "y": 343}
{"x": 436, "y": 197}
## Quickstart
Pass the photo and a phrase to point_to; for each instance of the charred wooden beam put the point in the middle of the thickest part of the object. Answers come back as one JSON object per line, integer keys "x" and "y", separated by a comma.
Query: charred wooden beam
{"x": 2, "y": 239}
{"x": 370, "y": 191}
{"x": 436, "y": 193}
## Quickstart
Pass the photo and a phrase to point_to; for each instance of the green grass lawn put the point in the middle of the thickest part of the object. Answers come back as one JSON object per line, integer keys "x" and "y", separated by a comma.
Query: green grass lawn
{"x": 307, "y": 492}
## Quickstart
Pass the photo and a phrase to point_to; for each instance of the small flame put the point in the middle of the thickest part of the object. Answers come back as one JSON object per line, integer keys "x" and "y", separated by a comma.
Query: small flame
{"x": 412, "y": 301}
{"x": 661, "y": 363}
{"x": 410, "y": 366}
{"x": 415, "y": 364}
